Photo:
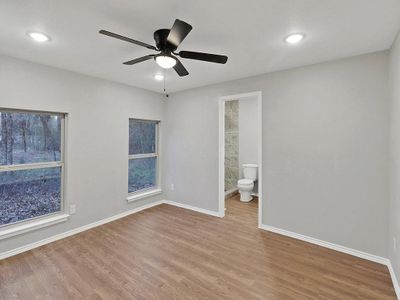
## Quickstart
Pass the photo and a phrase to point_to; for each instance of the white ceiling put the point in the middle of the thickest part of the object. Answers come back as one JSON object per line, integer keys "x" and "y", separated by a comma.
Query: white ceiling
{"x": 250, "y": 32}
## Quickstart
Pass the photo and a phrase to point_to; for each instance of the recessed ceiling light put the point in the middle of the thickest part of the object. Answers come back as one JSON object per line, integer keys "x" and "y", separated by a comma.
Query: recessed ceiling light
{"x": 294, "y": 38}
{"x": 159, "y": 77}
{"x": 38, "y": 36}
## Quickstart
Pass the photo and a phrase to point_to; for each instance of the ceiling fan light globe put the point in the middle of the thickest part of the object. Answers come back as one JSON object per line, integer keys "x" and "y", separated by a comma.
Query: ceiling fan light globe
{"x": 295, "y": 38}
{"x": 165, "y": 62}
{"x": 38, "y": 36}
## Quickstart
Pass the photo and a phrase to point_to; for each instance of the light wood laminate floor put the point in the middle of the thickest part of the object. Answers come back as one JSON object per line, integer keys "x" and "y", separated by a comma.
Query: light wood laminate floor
{"x": 167, "y": 252}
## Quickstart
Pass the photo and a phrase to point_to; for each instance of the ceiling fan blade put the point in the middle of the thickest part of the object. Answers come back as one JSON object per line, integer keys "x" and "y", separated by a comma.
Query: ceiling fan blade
{"x": 126, "y": 39}
{"x": 219, "y": 59}
{"x": 138, "y": 60}
{"x": 180, "y": 69}
{"x": 178, "y": 32}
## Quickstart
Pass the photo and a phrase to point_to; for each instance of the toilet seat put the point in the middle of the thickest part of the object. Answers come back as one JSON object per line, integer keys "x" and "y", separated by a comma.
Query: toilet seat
{"x": 245, "y": 181}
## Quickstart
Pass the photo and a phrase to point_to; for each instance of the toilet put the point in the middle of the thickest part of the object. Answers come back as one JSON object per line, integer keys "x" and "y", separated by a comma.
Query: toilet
{"x": 246, "y": 184}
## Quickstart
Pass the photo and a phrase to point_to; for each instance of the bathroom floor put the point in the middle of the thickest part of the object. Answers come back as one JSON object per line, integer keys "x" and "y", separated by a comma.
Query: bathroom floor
{"x": 244, "y": 212}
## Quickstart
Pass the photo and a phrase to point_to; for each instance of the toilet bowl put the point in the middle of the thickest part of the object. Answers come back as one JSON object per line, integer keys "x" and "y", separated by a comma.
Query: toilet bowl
{"x": 245, "y": 187}
{"x": 246, "y": 184}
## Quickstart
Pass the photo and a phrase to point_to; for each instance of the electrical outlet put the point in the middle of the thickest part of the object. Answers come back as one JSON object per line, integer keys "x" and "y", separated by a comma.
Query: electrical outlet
{"x": 172, "y": 187}
{"x": 72, "y": 209}
{"x": 394, "y": 244}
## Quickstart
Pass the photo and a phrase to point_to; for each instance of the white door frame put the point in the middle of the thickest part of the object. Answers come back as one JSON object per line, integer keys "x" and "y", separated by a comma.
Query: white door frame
{"x": 221, "y": 155}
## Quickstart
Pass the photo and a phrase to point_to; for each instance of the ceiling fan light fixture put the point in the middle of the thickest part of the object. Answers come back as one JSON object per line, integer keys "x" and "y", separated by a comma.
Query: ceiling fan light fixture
{"x": 167, "y": 42}
{"x": 165, "y": 61}
{"x": 38, "y": 36}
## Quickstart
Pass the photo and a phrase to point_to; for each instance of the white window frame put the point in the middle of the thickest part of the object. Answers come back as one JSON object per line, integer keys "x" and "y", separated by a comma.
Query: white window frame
{"x": 23, "y": 226}
{"x": 151, "y": 191}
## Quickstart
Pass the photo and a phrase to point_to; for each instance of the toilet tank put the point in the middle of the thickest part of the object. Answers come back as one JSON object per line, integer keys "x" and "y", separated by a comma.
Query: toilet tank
{"x": 250, "y": 171}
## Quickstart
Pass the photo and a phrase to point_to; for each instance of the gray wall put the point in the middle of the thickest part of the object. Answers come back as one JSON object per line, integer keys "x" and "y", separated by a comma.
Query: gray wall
{"x": 97, "y": 137}
{"x": 394, "y": 220}
{"x": 248, "y": 132}
{"x": 325, "y": 145}
{"x": 325, "y": 149}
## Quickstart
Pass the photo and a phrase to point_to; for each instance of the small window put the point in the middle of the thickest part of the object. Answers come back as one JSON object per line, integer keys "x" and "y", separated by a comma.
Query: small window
{"x": 143, "y": 155}
{"x": 31, "y": 165}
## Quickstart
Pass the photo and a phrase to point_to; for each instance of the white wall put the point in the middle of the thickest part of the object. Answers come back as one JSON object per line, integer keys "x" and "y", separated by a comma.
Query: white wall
{"x": 248, "y": 132}
{"x": 394, "y": 221}
{"x": 325, "y": 149}
{"x": 97, "y": 136}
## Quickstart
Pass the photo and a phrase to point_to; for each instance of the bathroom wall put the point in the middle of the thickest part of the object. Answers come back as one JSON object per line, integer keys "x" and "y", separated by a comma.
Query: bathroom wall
{"x": 248, "y": 134}
{"x": 241, "y": 139}
{"x": 231, "y": 144}
{"x": 325, "y": 149}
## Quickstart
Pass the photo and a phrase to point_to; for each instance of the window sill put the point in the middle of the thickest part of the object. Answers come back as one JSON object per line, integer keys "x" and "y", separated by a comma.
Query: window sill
{"x": 33, "y": 225}
{"x": 135, "y": 197}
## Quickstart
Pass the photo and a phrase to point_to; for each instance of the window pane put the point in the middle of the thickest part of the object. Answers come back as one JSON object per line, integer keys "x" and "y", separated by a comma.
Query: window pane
{"x": 26, "y": 194}
{"x": 142, "y": 174}
{"x": 142, "y": 137}
{"x": 29, "y": 137}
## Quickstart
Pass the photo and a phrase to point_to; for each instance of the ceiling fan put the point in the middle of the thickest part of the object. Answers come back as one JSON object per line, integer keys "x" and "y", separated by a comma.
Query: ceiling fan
{"x": 167, "y": 41}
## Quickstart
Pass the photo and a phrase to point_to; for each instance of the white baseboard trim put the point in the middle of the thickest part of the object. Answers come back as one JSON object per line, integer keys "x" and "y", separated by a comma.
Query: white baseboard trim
{"x": 231, "y": 192}
{"x": 194, "y": 208}
{"x": 357, "y": 253}
{"x": 394, "y": 279}
{"x": 76, "y": 230}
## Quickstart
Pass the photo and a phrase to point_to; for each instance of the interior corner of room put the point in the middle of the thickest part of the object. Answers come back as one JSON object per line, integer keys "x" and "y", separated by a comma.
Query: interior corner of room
{"x": 226, "y": 175}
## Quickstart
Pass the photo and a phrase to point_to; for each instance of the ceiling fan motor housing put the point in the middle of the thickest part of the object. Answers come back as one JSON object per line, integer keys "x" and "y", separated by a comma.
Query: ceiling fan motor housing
{"x": 160, "y": 37}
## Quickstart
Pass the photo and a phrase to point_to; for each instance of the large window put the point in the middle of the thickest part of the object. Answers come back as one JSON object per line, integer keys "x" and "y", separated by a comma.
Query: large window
{"x": 143, "y": 155}
{"x": 31, "y": 165}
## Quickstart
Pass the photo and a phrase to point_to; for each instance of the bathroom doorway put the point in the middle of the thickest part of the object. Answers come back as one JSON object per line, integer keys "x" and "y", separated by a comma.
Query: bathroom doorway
{"x": 240, "y": 155}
